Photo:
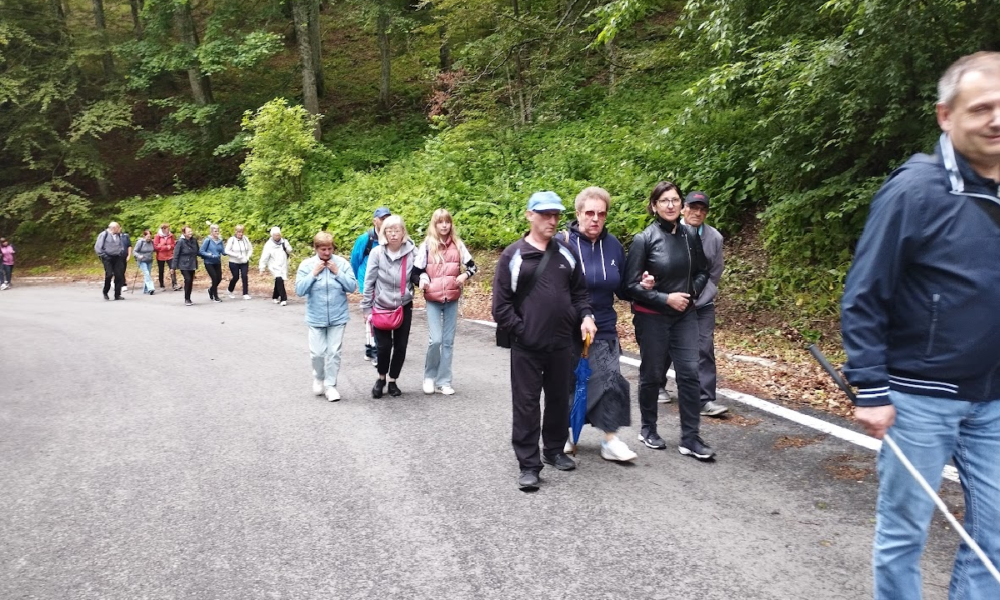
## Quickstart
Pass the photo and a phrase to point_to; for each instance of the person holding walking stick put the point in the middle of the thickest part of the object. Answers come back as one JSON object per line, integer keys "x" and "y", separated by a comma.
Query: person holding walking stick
{"x": 143, "y": 253}
{"x": 919, "y": 322}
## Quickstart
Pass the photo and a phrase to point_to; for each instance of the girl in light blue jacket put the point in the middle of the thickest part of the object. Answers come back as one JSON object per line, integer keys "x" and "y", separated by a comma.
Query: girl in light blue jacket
{"x": 324, "y": 280}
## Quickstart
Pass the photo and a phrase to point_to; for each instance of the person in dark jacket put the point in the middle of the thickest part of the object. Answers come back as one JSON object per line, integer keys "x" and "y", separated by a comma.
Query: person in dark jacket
{"x": 143, "y": 253}
{"x": 113, "y": 249}
{"x": 666, "y": 324}
{"x": 186, "y": 260}
{"x": 602, "y": 260}
{"x": 920, "y": 326}
{"x": 212, "y": 250}
{"x": 545, "y": 325}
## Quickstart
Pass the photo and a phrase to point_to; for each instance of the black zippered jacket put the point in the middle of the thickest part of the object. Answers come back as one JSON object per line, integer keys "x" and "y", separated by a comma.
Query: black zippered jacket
{"x": 676, "y": 260}
{"x": 549, "y": 318}
{"x": 920, "y": 312}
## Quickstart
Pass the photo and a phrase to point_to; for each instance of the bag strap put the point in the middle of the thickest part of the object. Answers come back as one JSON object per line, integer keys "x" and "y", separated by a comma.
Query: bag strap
{"x": 529, "y": 285}
{"x": 402, "y": 277}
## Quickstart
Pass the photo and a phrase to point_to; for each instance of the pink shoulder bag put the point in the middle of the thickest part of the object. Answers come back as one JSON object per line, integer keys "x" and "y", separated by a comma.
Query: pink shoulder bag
{"x": 388, "y": 320}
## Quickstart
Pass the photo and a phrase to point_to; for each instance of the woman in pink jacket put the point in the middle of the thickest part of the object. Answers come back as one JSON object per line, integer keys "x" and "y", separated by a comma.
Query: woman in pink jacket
{"x": 444, "y": 264}
{"x": 7, "y": 253}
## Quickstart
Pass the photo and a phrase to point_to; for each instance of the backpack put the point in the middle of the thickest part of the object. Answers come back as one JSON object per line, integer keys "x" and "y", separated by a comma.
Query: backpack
{"x": 370, "y": 244}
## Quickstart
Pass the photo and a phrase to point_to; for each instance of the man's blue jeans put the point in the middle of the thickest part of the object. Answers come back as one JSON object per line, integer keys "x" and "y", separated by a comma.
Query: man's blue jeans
{"x": 930, "y": 431}
{"x": 442, "y": 318}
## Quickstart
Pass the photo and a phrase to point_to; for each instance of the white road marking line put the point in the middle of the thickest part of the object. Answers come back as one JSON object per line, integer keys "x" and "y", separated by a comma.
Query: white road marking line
{"x": 860, "y": 439}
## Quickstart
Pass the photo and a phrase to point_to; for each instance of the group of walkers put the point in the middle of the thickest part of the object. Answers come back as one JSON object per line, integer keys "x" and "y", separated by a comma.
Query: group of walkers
{"x": 173, "y": 254}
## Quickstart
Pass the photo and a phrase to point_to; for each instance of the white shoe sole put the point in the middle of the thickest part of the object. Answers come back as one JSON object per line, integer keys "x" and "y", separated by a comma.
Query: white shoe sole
{"x": 615, "y": 458}
{"x": 715, "y": 412}
{"x": 334, "y": 397}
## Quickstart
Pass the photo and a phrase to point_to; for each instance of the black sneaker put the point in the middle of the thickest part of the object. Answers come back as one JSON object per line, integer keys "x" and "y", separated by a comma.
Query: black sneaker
{"x": 106, "y": 297}
{"x": 560, "y": 461}
{"x": 698, "y": 449}
{"x": 394, "y": 389}
{"x": 119, "y": 297}
{"x": 188, "y": 303}
{"x": 652, "y": 440}
{"x": 377, "y": 390}
{"x": 527, "y": 480}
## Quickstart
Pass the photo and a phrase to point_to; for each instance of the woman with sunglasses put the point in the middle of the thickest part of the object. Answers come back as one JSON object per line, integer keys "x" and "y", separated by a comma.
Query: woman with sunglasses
{"x": 666, "y": 324}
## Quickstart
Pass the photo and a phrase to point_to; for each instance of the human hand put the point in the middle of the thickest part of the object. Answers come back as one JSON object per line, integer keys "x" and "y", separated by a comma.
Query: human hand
{"x": 319, "y": 268}
{"x": 678, "y": 301}
{"x": 461, "y": 279}
{"x": 330, "y": 264}
{"x": 876, "y": 419}
{"x": 588, "y": 328}
{"x": 647, "y": 281}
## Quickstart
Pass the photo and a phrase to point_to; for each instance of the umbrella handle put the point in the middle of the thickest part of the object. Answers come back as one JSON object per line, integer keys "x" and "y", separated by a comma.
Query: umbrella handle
{"x": 586, "y": 346}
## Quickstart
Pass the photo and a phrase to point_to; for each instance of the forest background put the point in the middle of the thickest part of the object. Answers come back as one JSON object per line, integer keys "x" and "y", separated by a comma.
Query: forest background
{"x": 308, "y": 114}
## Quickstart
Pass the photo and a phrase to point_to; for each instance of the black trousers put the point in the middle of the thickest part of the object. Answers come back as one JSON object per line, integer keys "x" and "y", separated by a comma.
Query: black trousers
{"x": 707, "y": 376}
{"x": 530, "y": 373}
{"x": 279, "y": 290}
{"x": 160, "y": 264}
{"x": 114, "y": 268}
{"x": 215, "y": 274}
{"x": 188, "y": 284}
{"x": 392, "y": 344}
{"x": 239, "y": 272}
{"x": 662, "y": 338}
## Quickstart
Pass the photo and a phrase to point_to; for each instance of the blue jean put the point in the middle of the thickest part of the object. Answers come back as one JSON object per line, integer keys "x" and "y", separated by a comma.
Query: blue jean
{"x": 441, "y": 320}
{"x": 325, "y": 344}
{"x": 930, "y": 431}
{"x": 5, "y": 273}
{"x": 147, "y": 278}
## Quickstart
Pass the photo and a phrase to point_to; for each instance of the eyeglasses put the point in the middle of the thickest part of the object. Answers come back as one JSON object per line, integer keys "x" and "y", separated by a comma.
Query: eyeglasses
{"x": 593, "y": 214}
{"x": 670, "y": 201}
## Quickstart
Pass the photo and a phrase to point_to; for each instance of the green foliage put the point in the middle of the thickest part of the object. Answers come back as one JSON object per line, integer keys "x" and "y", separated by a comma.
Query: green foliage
{"x": 280, "y": 142}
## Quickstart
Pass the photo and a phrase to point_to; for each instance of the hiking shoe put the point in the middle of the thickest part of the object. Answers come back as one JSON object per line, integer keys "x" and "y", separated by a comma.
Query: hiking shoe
{"x": 560, "y": 461}
{"x": 377, "y": 390}
{"x": 317, "y": 387}
{"x": 698, "y": 449}
{"x": 447, "y": 390}
{"x": 663, "y": 397}
{"x": 428, "y": 386}
{"x": 246, "y": 296}
{"x": 652, "y": 440}
{"x": 616, "y": 450}
{"x": 332, "y": 394}
{"x": 713, "y": 409}
{"x": 394, "y": 390}
{"x": 528, "y": 480}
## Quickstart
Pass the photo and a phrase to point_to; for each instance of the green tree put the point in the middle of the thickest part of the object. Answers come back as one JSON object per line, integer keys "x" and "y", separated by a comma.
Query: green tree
{"x": 280, "y": 143}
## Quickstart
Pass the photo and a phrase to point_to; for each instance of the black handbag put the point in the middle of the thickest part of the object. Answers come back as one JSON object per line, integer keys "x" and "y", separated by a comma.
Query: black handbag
{"x": 505, "y": 337}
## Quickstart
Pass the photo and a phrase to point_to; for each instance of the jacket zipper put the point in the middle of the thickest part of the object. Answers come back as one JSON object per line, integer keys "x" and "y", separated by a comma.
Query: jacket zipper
{"x": 687, "y": 246}
{"x": 934, "y": 319}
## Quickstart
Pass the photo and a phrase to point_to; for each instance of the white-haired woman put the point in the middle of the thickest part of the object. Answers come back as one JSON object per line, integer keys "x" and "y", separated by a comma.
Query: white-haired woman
{"x": 443, "y": 265}
{"x": 388, "y": 300}
{"x": 274, "y": 258}
{"x": 239, "y": 249}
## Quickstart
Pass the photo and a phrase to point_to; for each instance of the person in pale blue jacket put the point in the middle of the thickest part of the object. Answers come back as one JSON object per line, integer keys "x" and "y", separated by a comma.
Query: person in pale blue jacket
{"x": 324, "y": 280}
{"x": 212, "y": 250}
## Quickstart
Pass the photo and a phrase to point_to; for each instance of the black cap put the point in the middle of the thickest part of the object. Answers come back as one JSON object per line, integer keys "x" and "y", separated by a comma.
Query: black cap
{"x": 693, "y": 197}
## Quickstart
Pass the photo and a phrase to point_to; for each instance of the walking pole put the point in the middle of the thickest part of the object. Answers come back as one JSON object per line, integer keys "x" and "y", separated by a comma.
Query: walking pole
{"x": 818, "y": 355}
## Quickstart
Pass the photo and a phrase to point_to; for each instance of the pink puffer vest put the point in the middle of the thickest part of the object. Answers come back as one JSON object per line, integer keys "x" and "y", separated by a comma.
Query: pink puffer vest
{"x": 443, "y": 287}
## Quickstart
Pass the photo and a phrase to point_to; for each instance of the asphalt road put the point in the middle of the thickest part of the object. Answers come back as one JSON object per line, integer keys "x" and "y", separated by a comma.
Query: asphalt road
{"x": 149, "y": 450}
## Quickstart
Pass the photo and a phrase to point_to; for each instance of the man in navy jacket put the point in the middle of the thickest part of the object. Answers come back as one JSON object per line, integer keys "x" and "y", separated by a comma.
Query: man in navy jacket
{"x": 920, "y": 318}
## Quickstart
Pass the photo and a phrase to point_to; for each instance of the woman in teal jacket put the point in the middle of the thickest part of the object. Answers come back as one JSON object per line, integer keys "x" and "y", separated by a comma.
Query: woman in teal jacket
{"x": 212, "y": 251}
{"x": 325, "y": 279}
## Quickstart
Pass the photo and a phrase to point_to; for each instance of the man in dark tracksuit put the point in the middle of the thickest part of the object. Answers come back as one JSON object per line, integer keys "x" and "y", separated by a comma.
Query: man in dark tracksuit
{"x": 543, "y": 329}
{"x": 112, "y": 246}
{"x": 920, "y": 325}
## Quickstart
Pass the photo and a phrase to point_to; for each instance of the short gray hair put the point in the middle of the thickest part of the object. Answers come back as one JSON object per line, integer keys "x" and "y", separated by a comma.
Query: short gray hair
{"x": 978, "y": 62}
{"x": 595, "y": 193}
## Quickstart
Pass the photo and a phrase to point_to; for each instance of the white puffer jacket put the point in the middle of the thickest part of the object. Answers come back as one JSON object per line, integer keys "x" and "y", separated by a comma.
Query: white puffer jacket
{"x": 275, "y": 257}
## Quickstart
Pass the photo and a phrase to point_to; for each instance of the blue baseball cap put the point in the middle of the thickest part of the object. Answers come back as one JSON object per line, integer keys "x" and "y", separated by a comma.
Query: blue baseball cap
{"x": 382, "y": 212}
{"x": 540, "y": 201}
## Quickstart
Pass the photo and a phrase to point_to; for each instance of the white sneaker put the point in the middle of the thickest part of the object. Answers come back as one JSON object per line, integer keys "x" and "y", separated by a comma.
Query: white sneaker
{"x": 616, "y": 450}
{"x": 447, "y": 390}
{"x": 570, "y": 447}
{"x": 318, "y": 387}
{"x": 283, "y": 303}
{"x": 663, "y": 397}
{"x": 246, "y": 296}
{"x": 276, "y": 301}
{"x": 124, "y": 288}
{"x": 332, "y": 394}
{"x": 428, "y": 386}
{"x": 4, "y": 286}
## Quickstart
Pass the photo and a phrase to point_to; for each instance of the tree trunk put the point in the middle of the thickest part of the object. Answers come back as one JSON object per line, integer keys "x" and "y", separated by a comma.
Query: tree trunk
{"x": 315, "y": 40}
{"x": 57, "y": 9}
{"x": 444, "y": 50}
{"x": 382, "y": 25}
{"x": 300, "y": 15}
{"x": 102, "y": 32}
{"x": 201, "y": 85}
{"x": 136, "y": 6}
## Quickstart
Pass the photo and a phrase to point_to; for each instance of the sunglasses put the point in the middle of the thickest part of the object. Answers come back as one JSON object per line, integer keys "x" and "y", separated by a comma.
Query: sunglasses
{"x": 593, "y": 214}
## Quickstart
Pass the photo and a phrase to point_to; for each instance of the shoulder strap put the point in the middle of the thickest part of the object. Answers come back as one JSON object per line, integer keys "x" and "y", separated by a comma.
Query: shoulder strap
{"x": 370, "y": 244}
{"x": 529, "y": 285}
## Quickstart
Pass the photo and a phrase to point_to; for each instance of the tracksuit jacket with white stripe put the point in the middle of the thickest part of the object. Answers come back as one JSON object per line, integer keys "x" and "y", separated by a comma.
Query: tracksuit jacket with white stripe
{"x": 921, "y": 307}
